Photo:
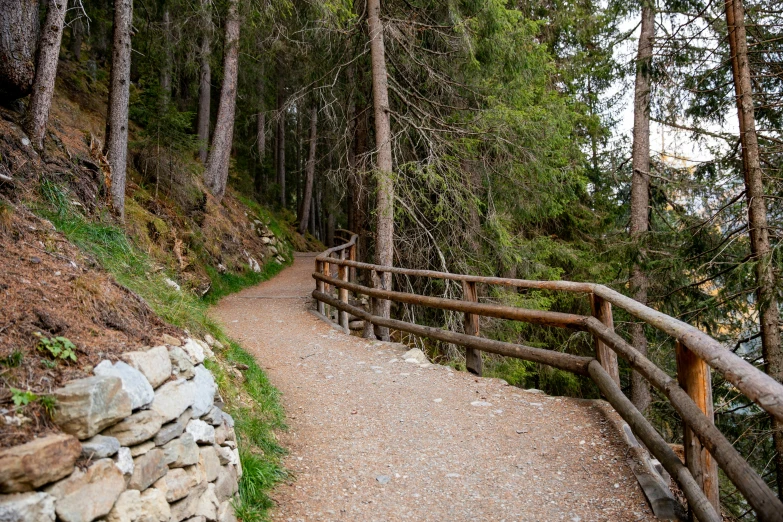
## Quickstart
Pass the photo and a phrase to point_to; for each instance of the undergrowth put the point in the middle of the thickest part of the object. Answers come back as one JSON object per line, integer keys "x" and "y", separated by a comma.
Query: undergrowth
{"x": 253, "y": 401}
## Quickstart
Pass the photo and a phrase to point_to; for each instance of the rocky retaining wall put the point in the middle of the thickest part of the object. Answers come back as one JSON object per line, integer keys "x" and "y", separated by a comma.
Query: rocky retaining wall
{"x": 144, "y": 440}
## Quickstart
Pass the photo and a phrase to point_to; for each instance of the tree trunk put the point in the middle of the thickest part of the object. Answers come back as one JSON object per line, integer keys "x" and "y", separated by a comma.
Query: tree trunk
{"x": 205, "y": 82}
{"x": 260, "y": 133}
{"x": 77, "y": 34}
{"x": 165, "y": 71}
{"x": 46, "y": 72}
{"x": 640, "y": 191}
{"x": 18, "y": 40}
{"x": 281, "y": 133}
{"x": 769, "y": 319}
{"x": 116, "y": 147}
{"x": 384, "y": 233}
{"x": 216, "y": 174}
{"x": 310, "y": 170}
{"x": 312, "y": 217}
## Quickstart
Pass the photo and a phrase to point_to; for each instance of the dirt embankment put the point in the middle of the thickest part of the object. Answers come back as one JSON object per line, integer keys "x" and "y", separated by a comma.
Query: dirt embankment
{"x": 50, "y": 288}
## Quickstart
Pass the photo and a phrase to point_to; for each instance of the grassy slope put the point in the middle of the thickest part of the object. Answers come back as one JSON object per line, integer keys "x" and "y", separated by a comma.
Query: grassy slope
{"x": 252, "y": 401}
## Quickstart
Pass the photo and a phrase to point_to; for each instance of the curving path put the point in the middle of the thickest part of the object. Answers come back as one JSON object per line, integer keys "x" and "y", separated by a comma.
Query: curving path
{"x": 375, "y": 438}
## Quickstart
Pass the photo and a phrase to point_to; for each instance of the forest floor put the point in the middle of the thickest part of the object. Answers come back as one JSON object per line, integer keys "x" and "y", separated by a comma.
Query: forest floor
{"x": 372, "y": 437}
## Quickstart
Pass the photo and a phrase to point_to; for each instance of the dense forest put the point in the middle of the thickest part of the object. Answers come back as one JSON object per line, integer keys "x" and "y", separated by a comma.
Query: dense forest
{"x": 513, "y": 139}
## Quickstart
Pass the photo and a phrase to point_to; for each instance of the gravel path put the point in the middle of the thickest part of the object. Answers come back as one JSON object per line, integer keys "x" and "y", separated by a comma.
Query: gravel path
{"x": 374, "y": 438}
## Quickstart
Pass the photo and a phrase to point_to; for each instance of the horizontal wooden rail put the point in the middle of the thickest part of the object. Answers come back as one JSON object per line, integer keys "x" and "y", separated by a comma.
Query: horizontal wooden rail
{"x": 539, "y": 317}
{"x": 756, "y": 385}
{"x": 751, "y": 485}
{"x": 570, "y": 363}
{"x": 697, "y": 500}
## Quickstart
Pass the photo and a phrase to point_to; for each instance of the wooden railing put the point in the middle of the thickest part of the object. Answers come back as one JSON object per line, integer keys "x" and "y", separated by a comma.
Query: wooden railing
{"x": 706, "y": 448}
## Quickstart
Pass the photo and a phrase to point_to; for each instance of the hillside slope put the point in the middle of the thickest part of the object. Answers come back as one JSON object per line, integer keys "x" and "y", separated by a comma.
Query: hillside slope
{"x": 77, "y": 287}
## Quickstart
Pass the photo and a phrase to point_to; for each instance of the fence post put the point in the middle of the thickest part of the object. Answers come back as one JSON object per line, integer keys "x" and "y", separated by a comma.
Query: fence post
{"x": 342, "y": 272}
{"x": 473, "y": 361}
{"x": 328, "y": 287}
{"x": 369, "y": 328}
{"x": 352, "y": 257}
{"x": 319, "y": 285}
{"x": 694, "y": 377}
{"x": 602, "y": 310}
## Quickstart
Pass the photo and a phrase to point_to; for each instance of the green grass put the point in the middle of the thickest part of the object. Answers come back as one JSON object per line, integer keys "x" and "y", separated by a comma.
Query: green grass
{"x": 254, "y": 403}
{"x": 228, "y": 283}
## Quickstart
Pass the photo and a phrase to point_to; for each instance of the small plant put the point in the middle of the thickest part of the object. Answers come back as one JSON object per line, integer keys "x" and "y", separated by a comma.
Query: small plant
{"x": 50, "y": 365}
{"x": 49, "y": 403}
{"x": 13, "y": 360}
{"x": 22, "y": 397}
{"x": 59, "y": 347}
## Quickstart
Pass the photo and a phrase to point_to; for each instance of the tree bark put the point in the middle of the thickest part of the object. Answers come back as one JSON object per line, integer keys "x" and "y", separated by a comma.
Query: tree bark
{"x": 205, "y": 82}
{"x": 116, "y": 148}
{"x": 640, "y": 190}
{"x": 281, "y": 132}
{"x": 216, "y": 174}
{"x": 18, "y": 40}
{"x": 77, "y": 34}
{"x": 384, "y": 233}
{"x": 46, "y": 72}
{"x": 310, "y": 170}
{"x": 165, "y": 71}
{"x": 260, "y": 133}
{"x": 766, "y": 298}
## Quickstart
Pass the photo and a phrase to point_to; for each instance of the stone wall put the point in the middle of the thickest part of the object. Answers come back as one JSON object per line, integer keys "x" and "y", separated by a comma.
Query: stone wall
{"x": 144, "y": 439}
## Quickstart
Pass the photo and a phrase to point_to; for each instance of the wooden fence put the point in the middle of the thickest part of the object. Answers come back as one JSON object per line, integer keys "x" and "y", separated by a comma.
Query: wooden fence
{"x": 706, "y": 448}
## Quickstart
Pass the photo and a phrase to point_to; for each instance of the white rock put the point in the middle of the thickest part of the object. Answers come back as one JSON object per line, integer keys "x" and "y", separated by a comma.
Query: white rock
{"x": 208, "y": 457}
{"x": 85, "y": 496}
{"x": 237, "y": 462}
{"x": 134, "y": 383}
{"x": 154, "y": 364}
{"x": 254, "y": 266}
{"x": 225, "y": 455}
{"x": 210, "y": 341}
{"x": 27, "y": 507}
{"x": 173, "y": 398}
{"x": 173, "y": 284}
{"x": 194, "y": 351}
{"x": 204, "y": 389}
{"x": 132, "y": 506}
{"x": 415, "y": 356}
{"x": 124, "y": 461}
{"x": 226, "y": 512}
{"x": 99, "y": 447}
{"x": 202, "y": 432}
{"x": 265, "y": 240}
{"x": 180, "y": 363}
{"x": 208, "y": 504}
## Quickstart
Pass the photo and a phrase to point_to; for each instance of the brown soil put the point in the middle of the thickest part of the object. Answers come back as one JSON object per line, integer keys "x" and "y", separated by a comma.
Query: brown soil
{"x": 375, "y": 438}
{"x": 48, "y": 286}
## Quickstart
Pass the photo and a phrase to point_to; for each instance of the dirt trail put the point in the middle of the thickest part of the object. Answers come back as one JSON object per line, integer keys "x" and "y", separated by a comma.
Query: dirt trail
{"x": 375, "y": 438}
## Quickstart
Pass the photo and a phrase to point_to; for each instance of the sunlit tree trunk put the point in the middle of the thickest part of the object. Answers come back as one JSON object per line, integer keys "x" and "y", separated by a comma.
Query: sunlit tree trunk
{"x": 310, "y": 170}
{"x": 116, "y": 147}
{"x": 384, "y": 233}
{"x": 640, "y": 190}
{"x": 216, "y": 174}
{"x": 766, "y": 298}
{"x": 46, "y": 72}
{"x": 205, "y": 81}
